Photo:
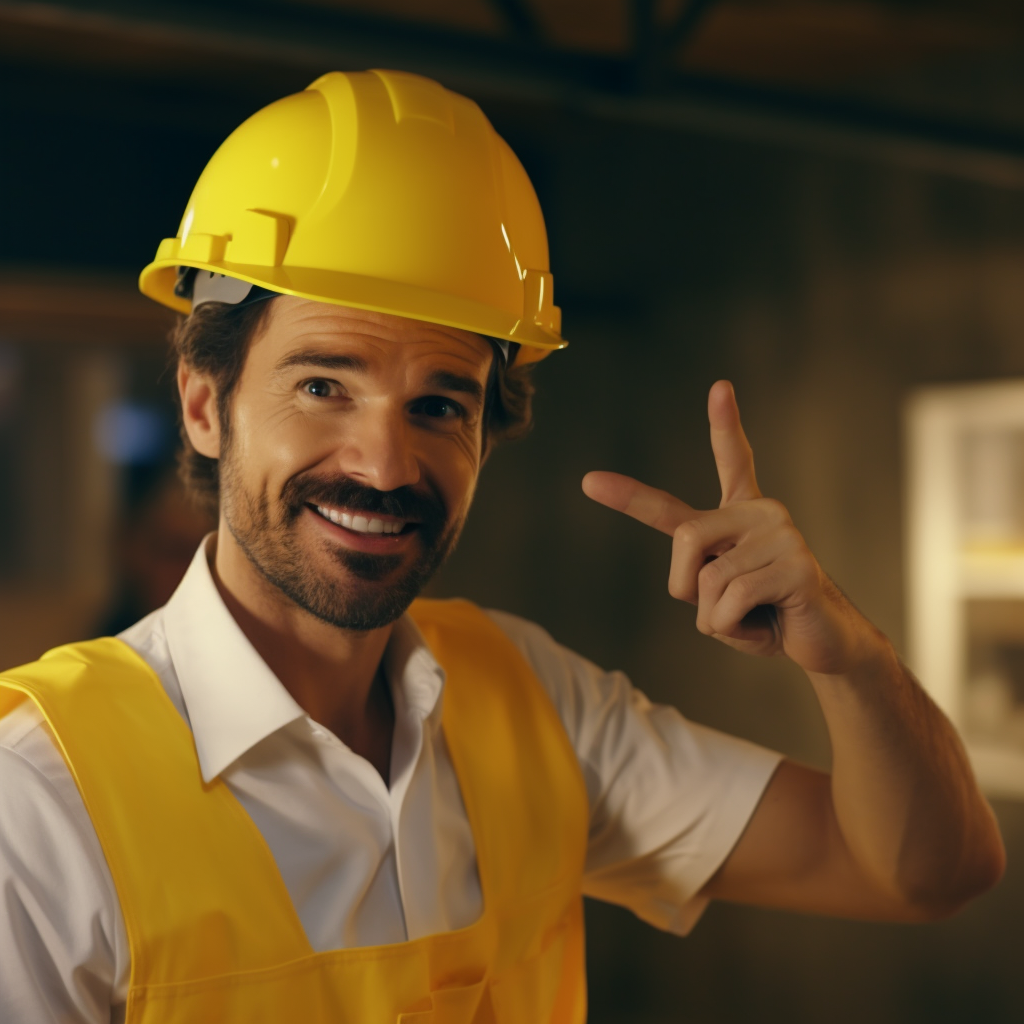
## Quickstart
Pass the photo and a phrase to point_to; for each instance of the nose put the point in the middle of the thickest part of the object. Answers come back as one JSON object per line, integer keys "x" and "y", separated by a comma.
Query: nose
{"x": 379, "y": 451}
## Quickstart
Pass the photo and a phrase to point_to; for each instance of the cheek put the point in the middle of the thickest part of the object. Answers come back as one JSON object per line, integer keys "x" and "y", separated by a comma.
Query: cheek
{"x": 279, "y": 443}
{"x": 469, "y": 444}
{"x": 456, "y": 474}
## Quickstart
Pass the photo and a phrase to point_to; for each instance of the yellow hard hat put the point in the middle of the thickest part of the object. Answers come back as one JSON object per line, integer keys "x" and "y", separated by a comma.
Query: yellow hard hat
{"x": 380, "y": 190}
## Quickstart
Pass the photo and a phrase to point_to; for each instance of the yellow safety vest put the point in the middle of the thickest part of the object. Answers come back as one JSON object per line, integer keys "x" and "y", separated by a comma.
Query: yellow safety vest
{"x": 213, "y": 934}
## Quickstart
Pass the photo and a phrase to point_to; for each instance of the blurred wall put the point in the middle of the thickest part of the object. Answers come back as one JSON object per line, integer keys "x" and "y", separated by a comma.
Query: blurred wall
{"x": 824, "y": 290}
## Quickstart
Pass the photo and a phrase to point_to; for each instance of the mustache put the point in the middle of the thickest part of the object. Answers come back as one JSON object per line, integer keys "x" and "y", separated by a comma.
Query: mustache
{"x": 402, "y": 502}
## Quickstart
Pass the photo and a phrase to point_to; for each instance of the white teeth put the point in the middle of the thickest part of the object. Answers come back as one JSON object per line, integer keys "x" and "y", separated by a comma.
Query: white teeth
{"x": 360, "y": 524}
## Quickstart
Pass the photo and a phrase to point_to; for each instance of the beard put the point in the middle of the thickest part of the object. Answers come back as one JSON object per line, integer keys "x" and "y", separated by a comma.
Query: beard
{"x": 372, "y": 590}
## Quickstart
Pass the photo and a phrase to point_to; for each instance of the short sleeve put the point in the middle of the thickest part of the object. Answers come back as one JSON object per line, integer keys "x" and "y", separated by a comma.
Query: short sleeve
{"x": 61, "y": 939}
{"x": 668, "y": 798}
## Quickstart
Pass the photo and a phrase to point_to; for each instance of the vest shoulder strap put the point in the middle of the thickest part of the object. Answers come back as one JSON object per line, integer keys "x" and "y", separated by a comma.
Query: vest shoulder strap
{"x": 184, "y": 856}
{"x": 523, "y": 788}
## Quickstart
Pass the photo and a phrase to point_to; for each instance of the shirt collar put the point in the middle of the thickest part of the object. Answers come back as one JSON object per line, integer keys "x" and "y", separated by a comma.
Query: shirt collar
{"x": 413, "y": 673}
{"x": 232, "y": 698}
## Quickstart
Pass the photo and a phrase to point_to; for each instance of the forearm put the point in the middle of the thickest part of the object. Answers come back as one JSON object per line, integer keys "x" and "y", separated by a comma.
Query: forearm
{"x": 900, "y": 831}
{"x": 903, "y": 791}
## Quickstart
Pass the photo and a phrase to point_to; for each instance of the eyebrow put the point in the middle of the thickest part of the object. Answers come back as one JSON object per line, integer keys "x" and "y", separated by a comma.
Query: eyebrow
{"x": 447, "y": 381}
{"x": 325, "y": 360}
{"x": 444, "y": 380}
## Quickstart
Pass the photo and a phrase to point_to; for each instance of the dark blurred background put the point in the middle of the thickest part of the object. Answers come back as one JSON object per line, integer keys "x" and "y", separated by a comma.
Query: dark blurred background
{"x": 822, "y": 200}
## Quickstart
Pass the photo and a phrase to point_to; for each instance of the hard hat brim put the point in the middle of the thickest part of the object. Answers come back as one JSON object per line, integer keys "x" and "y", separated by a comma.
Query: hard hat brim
{"x": 338, "y": 288}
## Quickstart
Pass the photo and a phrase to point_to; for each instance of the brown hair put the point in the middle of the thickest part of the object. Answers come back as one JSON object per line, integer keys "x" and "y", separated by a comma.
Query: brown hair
{"x": 215, "y": 339}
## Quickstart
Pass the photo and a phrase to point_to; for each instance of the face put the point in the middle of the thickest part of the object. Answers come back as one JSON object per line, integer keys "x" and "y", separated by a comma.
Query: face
{"x": 353, "y": 453}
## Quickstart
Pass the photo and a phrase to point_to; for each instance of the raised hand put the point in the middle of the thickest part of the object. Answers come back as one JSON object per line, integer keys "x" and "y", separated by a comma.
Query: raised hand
{"x": 755, "y": 583}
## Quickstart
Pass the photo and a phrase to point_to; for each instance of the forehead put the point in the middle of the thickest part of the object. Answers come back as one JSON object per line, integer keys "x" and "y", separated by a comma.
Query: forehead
{"x": 294, "y": 324}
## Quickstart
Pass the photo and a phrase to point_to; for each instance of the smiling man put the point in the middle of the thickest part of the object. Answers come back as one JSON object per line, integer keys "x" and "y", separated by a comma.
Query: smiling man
{"x": 298, "y": 793}
{"x": 347, "y": 458}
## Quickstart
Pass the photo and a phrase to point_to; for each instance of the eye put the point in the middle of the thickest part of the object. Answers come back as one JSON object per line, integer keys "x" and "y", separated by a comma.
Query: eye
{"x": 436, "y": 407}
{"x": 320, "y": 388}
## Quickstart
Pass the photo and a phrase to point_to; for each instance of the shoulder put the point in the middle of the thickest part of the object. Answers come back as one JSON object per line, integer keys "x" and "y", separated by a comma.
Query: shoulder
{"x": 560, "y": 671}
{"x": 535, "y": 642}
{"x": 60, "y": 934}
{"x": 148, "y": 638}
{"x": 626, "y": 743}
{"x": 43, "y": 822}
{"x": 30, "y": 756}
{"x": 586, "y": 696}
{"x": 63, "y": 946}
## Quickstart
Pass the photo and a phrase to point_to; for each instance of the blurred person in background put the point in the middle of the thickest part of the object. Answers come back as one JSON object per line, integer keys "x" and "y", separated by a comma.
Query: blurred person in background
{"x": 298, "y": 792}
{"x": 159, "y": 530}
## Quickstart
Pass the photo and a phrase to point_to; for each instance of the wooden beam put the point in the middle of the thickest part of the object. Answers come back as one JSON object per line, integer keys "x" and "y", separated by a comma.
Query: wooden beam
{"x": 228, "y": 52}
{"x": 79, "y": 308}
{"x": 520, "y": 19}
{"x": 689, "y": 21}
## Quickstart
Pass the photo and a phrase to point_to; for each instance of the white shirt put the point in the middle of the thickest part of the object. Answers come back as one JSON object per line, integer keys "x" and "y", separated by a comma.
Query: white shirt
{"x": 364, "y": 864}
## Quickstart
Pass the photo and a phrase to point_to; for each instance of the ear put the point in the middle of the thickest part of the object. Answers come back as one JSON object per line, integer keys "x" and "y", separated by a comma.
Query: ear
{"x": 199, "y": 410}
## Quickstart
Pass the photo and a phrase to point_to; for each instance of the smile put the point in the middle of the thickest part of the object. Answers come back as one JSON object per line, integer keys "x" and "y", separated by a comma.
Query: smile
{"x": 361, "y": 523}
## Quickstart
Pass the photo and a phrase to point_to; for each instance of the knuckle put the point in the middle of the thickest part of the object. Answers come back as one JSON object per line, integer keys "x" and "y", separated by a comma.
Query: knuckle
{"x": 681, "y": 584}
{"x": 711, "y": 574}
{"x": 719, "y": 622}
{"x": 796, "y": 541}
{"x": 742, "y": 590}
{"x": 774, "y": 511}
{"x": 689, "y": 534}
{"x": 787, "y": 541}
{"x": 791, "y": 535}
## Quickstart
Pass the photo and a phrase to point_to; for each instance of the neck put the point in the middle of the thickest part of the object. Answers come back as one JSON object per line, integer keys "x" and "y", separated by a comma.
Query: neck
{"x": 333, "y": 674}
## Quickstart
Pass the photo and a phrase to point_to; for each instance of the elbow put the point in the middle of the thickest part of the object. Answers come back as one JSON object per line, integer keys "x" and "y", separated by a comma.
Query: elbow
{"x": 988, "y": 868}
{"x": 982, "y": 869}
{"x": 986, "y": 863}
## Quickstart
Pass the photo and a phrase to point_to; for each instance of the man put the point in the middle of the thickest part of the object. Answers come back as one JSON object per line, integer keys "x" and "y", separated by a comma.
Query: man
{"x": 293, "y": 793}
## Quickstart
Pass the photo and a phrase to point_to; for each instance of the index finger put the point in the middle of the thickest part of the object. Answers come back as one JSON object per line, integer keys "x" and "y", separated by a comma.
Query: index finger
{"x": 733, "y": 455}
{"x": 650, "y": 506}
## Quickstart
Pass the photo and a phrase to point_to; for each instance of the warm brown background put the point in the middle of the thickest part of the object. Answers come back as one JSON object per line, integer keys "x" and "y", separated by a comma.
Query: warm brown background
{"x": 821, "y": 201}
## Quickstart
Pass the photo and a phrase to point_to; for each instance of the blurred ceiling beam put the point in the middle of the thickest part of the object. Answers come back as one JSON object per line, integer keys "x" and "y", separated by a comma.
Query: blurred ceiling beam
{"x": 518, "y": 16}
{"x": 686, "y": 24}
{"x": 204, "y": 48}
{"x": 74, "y": 308}
{"x": 656, "y": 45}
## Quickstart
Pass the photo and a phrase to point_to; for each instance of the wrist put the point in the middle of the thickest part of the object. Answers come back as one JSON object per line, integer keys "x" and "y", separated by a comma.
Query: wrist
{"x": 869, "y": 655}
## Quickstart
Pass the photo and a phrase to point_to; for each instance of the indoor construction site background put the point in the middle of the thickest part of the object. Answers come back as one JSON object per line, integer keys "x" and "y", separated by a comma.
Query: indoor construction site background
{"x": 821, "y": 200}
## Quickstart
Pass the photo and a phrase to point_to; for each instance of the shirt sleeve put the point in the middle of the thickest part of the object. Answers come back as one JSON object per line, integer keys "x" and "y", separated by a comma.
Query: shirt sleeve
{"x": 668, "y": 798}
{"x": 62, "y": 948}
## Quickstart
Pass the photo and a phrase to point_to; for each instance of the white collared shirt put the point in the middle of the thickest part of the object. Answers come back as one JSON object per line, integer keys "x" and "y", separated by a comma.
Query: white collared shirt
{"x": 364, "y": 864}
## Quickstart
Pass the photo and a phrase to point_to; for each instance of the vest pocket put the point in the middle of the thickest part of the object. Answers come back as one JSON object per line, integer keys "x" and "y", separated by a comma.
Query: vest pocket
{"x": 450, "y": 1006}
